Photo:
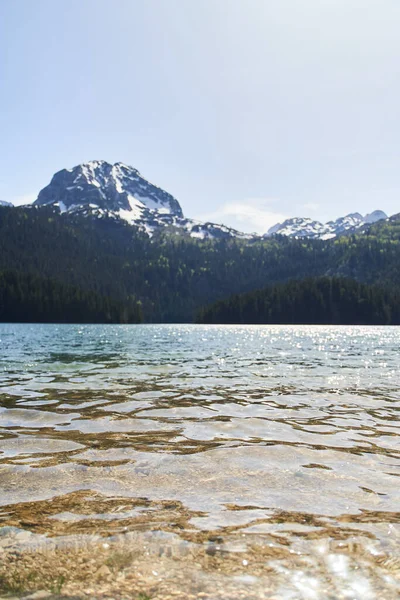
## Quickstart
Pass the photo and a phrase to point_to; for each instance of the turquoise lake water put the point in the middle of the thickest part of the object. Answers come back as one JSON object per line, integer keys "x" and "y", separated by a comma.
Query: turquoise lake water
{"x": 286, "y": 436}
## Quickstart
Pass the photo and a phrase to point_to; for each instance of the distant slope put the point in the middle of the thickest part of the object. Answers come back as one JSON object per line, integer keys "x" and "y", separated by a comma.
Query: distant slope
{"x": 322, "y": 300}
{"x": 306, "y": 227}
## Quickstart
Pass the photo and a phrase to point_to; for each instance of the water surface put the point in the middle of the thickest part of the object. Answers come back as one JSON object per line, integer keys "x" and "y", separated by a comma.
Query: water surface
{"x": 280, "y": 442}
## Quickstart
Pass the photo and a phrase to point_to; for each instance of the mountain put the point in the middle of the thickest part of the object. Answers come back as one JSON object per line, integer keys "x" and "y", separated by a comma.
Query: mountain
{"x": 376, "y": 215}
{"x": 305, "y": 227}
{"x": 117, "y": 188}
{"x": 100, "y": 189}
{"x": 105, "y": 229}
{"x": 299, "y": 227}
{"x": 4, "y": 203}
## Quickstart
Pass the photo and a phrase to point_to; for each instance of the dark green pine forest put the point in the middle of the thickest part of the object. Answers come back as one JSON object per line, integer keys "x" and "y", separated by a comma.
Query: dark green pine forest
{"x": 322, "y": 300}
{"x": 26, "y": 298}
{"x": 52, "y": 266}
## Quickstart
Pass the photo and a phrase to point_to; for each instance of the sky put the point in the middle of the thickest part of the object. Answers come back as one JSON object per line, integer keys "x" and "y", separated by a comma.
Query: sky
{"x": 247, "y": 111}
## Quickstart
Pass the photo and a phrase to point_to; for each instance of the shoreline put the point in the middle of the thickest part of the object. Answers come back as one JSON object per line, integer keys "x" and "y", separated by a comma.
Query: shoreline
{"x": 154, "y": 565}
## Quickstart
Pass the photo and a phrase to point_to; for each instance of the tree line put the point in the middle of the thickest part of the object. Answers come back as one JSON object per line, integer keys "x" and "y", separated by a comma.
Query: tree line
{"x": 324, "y": 300}
{"x": 26, "y": 298}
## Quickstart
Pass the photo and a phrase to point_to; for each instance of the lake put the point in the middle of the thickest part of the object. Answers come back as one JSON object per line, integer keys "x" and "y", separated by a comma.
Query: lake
{"x": 259, "y": 460}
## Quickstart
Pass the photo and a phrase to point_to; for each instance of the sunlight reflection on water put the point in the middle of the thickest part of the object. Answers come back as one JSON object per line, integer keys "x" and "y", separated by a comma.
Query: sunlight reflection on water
{"x": 289, "y": 435}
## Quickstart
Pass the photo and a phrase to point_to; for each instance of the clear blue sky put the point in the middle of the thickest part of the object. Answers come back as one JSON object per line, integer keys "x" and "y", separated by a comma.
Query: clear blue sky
{"x": 246, "y": 110}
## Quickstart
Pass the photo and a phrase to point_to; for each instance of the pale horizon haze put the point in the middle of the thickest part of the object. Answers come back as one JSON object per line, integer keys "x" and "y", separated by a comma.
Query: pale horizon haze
{"x": 247, "y": 111}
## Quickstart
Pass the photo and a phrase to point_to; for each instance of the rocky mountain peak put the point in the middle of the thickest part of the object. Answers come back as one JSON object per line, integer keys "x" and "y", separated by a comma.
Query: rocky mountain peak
{"x": 111, "y": 187}
{"x": 376, "y": 215}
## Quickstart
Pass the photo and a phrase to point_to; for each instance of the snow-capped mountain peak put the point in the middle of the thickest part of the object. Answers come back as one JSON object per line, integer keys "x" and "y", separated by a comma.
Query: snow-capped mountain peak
{"x": 4, "y": 203}
{"x": 306, "y": 227}
{"x": 101, "y": 189}
{"x": 115, "y": 187}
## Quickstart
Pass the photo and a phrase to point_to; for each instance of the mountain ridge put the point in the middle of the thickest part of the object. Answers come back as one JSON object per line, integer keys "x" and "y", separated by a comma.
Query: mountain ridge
{"x": 307, "y": 227}
{"x": 101, "y": 189}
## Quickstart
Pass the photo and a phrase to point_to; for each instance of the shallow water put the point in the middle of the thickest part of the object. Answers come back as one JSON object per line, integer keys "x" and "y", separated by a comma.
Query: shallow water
{"x": 272, "y": 441}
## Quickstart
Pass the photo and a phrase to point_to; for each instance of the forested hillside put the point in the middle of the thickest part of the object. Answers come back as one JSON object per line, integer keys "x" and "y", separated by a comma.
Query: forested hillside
{"x": 26, "y": 298}
{"x": 324, "y": 300}
{"x": 173, "y": 276}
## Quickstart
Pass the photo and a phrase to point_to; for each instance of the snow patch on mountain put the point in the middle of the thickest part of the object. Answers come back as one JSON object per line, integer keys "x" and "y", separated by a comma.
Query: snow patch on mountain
{"x": 4, "y": 203}
{"x": 306, "y": 227}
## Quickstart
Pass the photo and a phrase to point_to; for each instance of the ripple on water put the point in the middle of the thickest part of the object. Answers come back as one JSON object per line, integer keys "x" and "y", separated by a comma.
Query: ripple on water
{"x": 288, "y": 436}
